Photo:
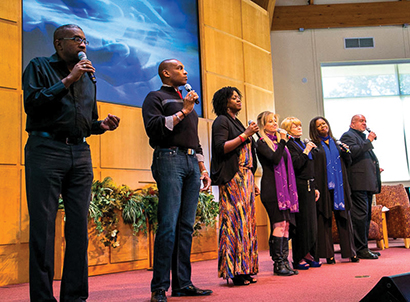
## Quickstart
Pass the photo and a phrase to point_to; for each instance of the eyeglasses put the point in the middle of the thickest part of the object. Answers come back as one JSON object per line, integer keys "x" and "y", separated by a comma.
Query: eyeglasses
{"x": 77, "y": 39}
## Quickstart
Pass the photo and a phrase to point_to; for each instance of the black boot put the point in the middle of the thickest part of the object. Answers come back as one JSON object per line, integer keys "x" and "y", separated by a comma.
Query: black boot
{"x": 279, "y": 268}
{"x": 285, "y": 253}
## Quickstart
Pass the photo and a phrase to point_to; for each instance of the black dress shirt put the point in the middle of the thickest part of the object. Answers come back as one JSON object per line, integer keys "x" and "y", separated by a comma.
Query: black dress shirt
{"x": 52, "y": 108}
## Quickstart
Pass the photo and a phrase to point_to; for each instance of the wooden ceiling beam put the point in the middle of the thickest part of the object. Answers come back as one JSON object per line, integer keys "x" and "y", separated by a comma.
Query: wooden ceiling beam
{"x": 341, "y": 15}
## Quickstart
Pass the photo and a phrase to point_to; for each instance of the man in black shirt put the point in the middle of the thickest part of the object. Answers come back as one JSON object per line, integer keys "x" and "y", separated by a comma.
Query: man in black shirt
{"x": 178, "y": 167}
{"x": 61, "y": 107}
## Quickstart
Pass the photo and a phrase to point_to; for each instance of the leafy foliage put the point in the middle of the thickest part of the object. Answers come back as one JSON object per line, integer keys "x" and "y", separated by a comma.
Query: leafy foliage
{"x": 138, "y": 207}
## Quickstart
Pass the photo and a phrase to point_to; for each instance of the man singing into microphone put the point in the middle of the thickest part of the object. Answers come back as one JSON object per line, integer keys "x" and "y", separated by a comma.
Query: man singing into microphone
{"x": 178, "y": 167}
{"x": 61, "y": 107}
{"x": 364, "y": 180}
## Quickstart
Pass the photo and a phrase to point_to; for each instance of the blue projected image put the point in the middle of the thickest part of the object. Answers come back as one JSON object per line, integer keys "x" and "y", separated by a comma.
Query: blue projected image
{"x": 128, "y": 39}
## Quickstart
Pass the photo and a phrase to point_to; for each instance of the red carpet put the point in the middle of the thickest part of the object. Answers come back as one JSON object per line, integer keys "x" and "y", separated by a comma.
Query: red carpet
{"x": 344, "y": 281}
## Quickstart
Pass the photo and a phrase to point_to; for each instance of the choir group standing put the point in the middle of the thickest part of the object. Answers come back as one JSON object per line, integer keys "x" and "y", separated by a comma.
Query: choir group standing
{"x": 304, "y": 185}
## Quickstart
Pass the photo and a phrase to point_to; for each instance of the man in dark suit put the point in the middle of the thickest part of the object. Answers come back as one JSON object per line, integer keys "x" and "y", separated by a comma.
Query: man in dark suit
{"x": 364, "y": 180}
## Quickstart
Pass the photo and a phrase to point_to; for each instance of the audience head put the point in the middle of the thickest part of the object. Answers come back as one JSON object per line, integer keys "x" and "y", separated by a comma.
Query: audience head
{"x": 227, "y": 100}
{"x": 358, "y": 122}
{"x": 293, "y": 126}
{"x": 172, "y": 73}
{"x": 319, "y": 127}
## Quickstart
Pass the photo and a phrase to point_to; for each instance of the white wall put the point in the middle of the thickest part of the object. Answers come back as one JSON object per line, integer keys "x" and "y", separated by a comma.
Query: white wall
{"x": 296, "y": 59}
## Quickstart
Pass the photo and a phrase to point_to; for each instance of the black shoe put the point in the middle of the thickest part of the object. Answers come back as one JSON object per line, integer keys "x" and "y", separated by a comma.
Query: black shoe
{"x": 250, "y": 278}
{"x": 158, "y": 296}
{"x": 376, "y": 253}
{"x": 331, "y": 260}
{"x": 191, "y": 290}
{"x": 240, "y": 280}
{"x": 366, "y": 255}
{"x": 354, "y": 259}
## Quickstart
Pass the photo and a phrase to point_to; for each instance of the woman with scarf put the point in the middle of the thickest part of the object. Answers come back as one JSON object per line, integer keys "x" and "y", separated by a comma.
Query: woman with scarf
{"x": 331, "y": 179}
{"x": 305, "y": 234}
{"x": 278, "y": 189}
{"x": 232, "y": 168}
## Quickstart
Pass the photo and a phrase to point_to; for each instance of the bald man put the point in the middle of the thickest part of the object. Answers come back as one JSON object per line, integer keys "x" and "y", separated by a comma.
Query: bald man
{"x": 364, "y": 180}
{"x": 178, "y": 168}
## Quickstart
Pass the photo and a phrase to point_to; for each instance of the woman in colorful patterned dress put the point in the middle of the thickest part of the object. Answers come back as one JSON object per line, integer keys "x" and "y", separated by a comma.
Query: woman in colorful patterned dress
{"x": 278, "y": 189}
{"x": 232, "y": 168}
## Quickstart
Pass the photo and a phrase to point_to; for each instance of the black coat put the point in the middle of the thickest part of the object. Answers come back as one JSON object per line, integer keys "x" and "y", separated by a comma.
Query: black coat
{"x": 324, "y": 203}
{"x": 225, "y": 166}
{"x": 364, "y": 172}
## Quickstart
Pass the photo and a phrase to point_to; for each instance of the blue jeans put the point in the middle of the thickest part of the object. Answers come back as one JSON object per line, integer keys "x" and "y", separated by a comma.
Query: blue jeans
{"x": 178, "y": 179}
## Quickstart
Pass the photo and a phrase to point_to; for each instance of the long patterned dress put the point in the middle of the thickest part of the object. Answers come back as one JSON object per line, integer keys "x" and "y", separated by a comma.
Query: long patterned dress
{"x": 238, "y": 247}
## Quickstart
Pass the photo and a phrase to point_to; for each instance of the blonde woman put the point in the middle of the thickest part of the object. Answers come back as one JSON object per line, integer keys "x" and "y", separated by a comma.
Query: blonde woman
{"x": 305, "y": 234}
{"x": 278, "y": 189}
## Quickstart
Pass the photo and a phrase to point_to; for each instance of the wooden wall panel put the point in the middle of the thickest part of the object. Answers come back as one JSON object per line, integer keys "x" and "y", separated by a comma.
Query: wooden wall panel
{"x": 23, "y": 262}
{"x": 94, "y": 141}
{"x": 133, "y": 178}
{"x": 10, "y": 10}
{"x": 98, "y": 254}
{"x": 258, "y": 32}
{"x": 23, "y": 132}
{"x": 258, "y": 67}
{"x": 10, "y": 53}
{"x": 10, "y": 204}
{"x": 204, "y": 139}
{"x": 24, "y": 217}
{"x": 230, "y": 19}
{"x": 10, "y": 123}
{"x": 224, "y": 54}
{"x": 131, "y": 247}
{"x": 127, "y": 147}
{"x": 8, "y": 265}
{"x": 258, "y": 100}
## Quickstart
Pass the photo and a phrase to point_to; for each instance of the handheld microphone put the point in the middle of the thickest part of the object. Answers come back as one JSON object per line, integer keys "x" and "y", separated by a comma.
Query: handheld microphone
{"x": 307, "y": 141}
{"x": 83, "y": 56}
{"x": 257, "y": 132}
{"x": 189, "y": 88}
{"x": 347, "y": 150}
{"x": 368, "y": 130}
{"x": 287, "y": 134}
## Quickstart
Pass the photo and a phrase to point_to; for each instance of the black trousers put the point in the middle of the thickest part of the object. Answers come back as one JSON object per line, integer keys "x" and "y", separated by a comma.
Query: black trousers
{"x": 54, "y": 168}
{"x": 344, "y": 228}
{"x": 361, "y": 217}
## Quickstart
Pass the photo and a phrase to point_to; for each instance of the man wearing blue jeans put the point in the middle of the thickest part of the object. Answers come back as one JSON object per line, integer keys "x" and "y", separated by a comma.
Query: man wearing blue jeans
{"x": 178, "y": 168}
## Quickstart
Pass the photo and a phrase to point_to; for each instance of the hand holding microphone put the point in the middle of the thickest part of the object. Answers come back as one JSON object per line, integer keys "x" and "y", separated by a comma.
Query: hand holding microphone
{"x": 372, "y": 136}
{"x": 343, "y": 146}
{"x": 310, "y": 145}
{"x": 252, "y": 129}
{"x": 188, "y": 88}
{"x": 87, "y": 65}
{"x": 284, "y": 134}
